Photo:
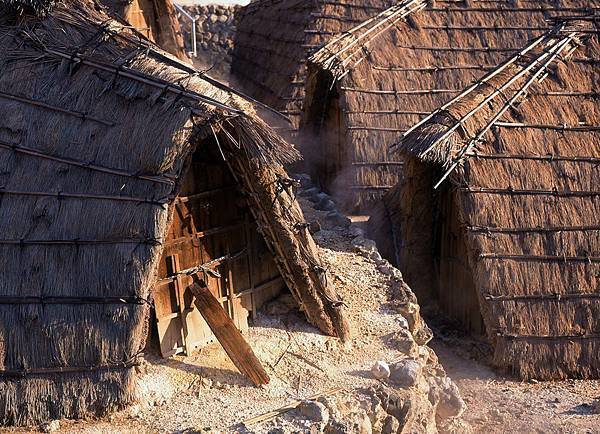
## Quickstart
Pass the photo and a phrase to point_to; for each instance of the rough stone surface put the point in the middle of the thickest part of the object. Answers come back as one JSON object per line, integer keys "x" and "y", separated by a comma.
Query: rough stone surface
{"x": 315, "y": 411}
{"x": 364, "y": 245}
{"x": 380, "y": 370}
{"x": 338, "y": 219}
{"x": 215, "y": 30}
{"x": 406, "y": 373}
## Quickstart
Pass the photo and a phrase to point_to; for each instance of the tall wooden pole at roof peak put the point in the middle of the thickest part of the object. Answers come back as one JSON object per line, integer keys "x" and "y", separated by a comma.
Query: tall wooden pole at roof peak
{"x": 169, "y": 36}
{"x": 155, "y": 19}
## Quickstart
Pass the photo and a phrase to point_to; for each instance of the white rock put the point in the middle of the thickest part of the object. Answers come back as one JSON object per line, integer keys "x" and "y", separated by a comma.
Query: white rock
{"x": 380, "y": 370}
{"x": 53, "y": 425}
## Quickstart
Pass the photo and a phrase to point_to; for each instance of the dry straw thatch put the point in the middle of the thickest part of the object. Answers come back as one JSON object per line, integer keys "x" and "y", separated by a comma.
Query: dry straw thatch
{"x": 521, "y": 147}
{"x": 275, "y": 37}
{"x": 370, "y": 85}
{"x": 93, "y": 146}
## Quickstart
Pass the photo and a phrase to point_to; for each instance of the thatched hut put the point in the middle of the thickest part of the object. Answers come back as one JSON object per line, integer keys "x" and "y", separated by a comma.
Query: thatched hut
{"x": 122, "y": 174}
{"x": 274, "y": 39}
{"x": 155, "y": 19}
{"x": 496, "y": 216}
{"x": 367, "y": 86}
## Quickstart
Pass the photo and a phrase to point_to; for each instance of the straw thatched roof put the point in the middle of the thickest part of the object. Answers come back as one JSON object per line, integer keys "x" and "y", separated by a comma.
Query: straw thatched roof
{"x": 389, "y": 72}
{"x": 521, "y": 148}
{"x": 275, "y": 37}
{"x": 96, "y": 128}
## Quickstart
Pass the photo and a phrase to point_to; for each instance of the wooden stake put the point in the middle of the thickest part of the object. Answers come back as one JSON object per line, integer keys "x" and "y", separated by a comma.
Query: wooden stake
{"x": 286, "y": 408}
{"x": 234, "y": 344}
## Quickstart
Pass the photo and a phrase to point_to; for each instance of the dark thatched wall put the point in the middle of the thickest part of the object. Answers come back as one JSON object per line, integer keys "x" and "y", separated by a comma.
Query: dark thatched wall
{"x": 92, "y": 150}
{"x": 274, "y": 39}
{"x": 528, "y": 202}
{"x": 413, "y": 68}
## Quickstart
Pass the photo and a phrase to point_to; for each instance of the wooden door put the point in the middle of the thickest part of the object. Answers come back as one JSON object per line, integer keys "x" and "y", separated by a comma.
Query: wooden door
{"x": 212, "y": 227}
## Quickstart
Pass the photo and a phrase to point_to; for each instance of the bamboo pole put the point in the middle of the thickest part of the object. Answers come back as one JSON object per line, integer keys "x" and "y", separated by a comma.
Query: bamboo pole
{"x": 47, "y": 106}
{"x": 554, "y": 52}
{"x": 291, "y": 406}
{"x": 525, "y": 192}
{"x": 163, "y": 178}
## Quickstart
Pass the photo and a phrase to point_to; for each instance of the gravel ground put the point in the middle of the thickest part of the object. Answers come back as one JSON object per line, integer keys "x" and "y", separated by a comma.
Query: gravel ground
{"x": 204, "y": 392}
{"x": 496, "y": 404}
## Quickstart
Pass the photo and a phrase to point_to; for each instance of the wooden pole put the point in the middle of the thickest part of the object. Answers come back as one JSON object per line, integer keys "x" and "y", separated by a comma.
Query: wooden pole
{"x": 234, "y": 344}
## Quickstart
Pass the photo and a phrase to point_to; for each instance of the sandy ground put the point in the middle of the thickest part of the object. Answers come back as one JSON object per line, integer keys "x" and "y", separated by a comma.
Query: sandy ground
{"x": 499, "y": 405}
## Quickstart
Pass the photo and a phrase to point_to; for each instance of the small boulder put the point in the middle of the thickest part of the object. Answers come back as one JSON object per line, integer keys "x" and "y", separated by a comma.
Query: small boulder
{"x": 403, "y": 341}
{"x": 406, "y": 373}
{"x": 376, "y": 257}
{"x": 390, "y": 425}
{"x": 444, "y": 393}
{"x": 355, "y": 231}
{"x": 386, "y": 269}
{"x": 213, "y": 18}
{"x": 338, "y": 219}
{"x": 360, "y": 245}
{"x": 315, "y": 411}
{"x": 380, "y": 370}
{"x": 325, "y": 204}
{"x": 309, "y": 192}
{"x": 52, "y": 426}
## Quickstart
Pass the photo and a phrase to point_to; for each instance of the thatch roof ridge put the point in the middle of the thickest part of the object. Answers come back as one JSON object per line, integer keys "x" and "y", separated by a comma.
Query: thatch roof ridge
{"x": 342, "y": 53}
{"x": 413, "y": 69}
{"x": 451, "y": 132}
{"x": 274, "y": 39}
{"x": 201, "y": 93}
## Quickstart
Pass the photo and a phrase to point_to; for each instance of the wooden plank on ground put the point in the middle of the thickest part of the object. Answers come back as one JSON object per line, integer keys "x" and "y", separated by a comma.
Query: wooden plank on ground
{"x": 234, "y": 344}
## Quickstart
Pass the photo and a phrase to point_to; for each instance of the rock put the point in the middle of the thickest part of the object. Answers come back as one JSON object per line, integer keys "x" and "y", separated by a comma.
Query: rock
{"x": 380, "y": 370}
{"x": 135, "y": 410}
{"x": 314, "y": 411}
{"x": 390, "y": 425}
{"x": 403, "y": 341}
{"x": 354, "y": 423}
{"x": 338, "y": 219}
{"x": 325, "y": 204}
{"x": 406, "y": 373}
{"x": 53, "y": 425}
{"x": 444, "y": 393}
{"x": 212, "y": 18}
{"x": 595, "y": 406}
{"x": 314, "y": 227}
{"x": 386, "y": 269}
{"x": 376, "y": 257}
{"x": 309, "y": 192}
{"x": 363, "y": 245}
{"x": 355, "y": 231}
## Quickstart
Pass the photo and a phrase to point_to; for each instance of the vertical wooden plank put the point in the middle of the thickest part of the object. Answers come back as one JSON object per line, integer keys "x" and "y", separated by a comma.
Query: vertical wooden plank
{"x": 180, "y": 287}
{"x": 250, "y": 260}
